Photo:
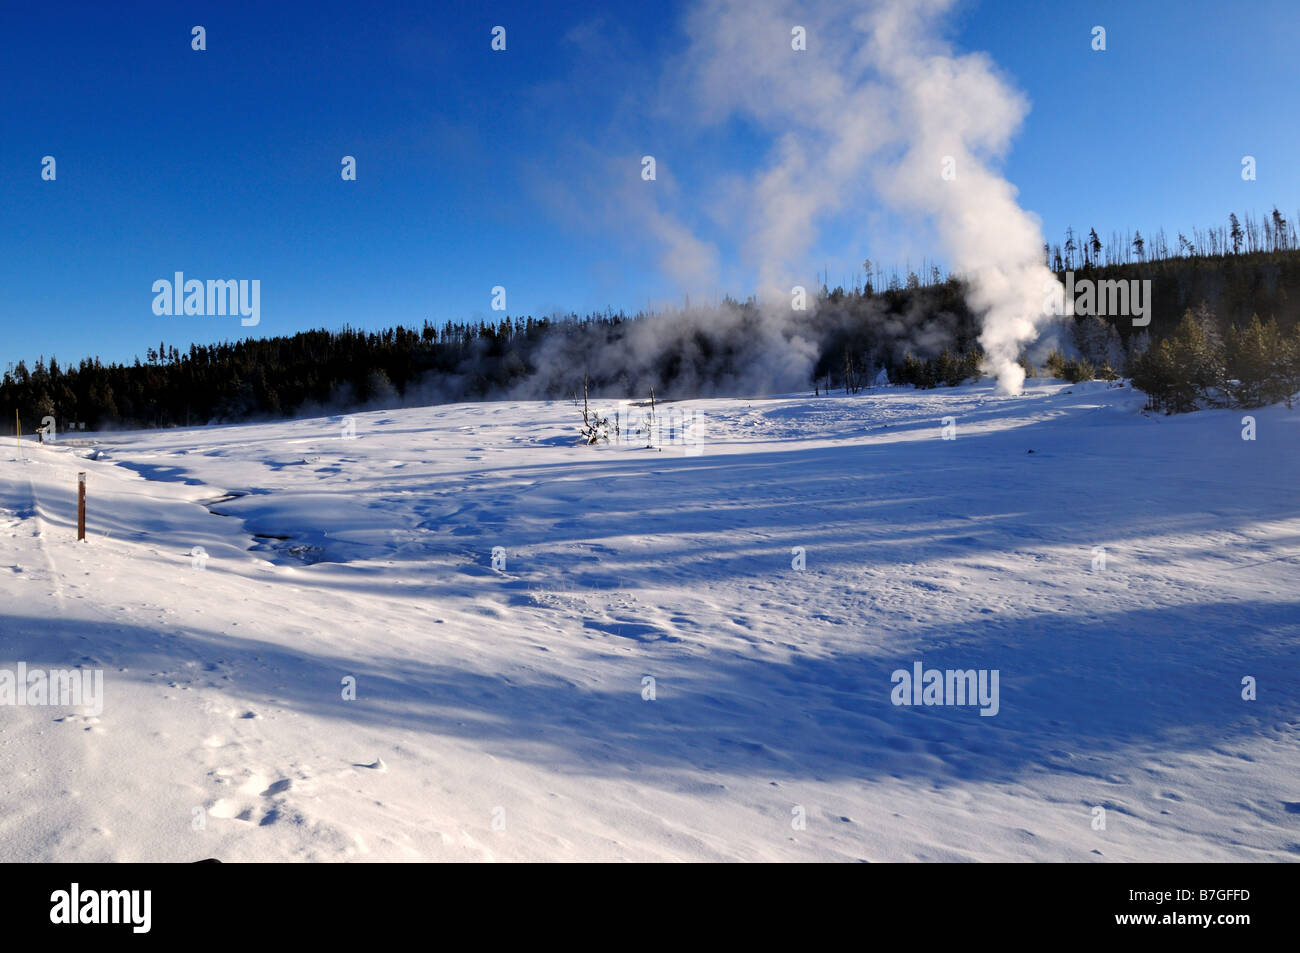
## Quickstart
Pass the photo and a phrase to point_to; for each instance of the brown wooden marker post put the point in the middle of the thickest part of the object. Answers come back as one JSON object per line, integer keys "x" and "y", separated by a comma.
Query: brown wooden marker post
{"x": 81, "y": 507}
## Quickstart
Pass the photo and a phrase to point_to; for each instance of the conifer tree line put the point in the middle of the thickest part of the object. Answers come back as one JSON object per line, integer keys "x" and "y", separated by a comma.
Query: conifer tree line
{"x": 1198, "y": 366}
{"x": 1246, "y": 235}
{"x": 1225, "y": 309}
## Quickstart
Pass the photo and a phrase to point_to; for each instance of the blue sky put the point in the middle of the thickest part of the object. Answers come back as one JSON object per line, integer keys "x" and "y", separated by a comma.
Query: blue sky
{"x": 472, "y": 164}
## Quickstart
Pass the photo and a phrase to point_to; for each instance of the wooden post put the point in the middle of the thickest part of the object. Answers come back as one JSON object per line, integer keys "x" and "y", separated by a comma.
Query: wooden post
{"x": 81, "y": 507}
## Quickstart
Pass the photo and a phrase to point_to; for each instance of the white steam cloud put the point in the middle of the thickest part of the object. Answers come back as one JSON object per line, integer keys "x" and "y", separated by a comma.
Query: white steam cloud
{"x": 878, "y": 104}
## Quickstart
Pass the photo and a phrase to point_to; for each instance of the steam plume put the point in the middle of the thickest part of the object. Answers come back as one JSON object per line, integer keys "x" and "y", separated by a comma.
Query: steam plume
{"x": 877, "y": 100}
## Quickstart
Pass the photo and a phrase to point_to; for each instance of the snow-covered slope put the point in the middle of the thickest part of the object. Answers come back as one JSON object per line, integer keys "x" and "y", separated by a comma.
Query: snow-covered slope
{"x": 509, "y": 713}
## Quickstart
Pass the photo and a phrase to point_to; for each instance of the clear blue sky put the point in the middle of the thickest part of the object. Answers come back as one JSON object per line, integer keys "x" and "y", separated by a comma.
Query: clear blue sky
{"x": 225, "y": 163}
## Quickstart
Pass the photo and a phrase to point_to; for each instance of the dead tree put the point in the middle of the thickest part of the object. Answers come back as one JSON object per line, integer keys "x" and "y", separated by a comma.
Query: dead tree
{"x": 595, "y": 428}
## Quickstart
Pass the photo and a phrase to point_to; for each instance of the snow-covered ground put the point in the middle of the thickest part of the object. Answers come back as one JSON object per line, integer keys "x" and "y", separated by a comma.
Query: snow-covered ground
{"x": 506, "y": 713}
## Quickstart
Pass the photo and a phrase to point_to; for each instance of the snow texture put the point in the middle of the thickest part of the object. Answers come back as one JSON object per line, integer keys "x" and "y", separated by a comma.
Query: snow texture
{"x": 641, "y": 673}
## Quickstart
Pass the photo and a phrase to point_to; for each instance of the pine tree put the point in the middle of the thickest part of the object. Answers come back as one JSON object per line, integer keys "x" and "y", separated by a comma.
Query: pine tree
{"x": 1197, "y": 363}
{"x": 1289, "y": 371}
{"x": 1248, "y": 364}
